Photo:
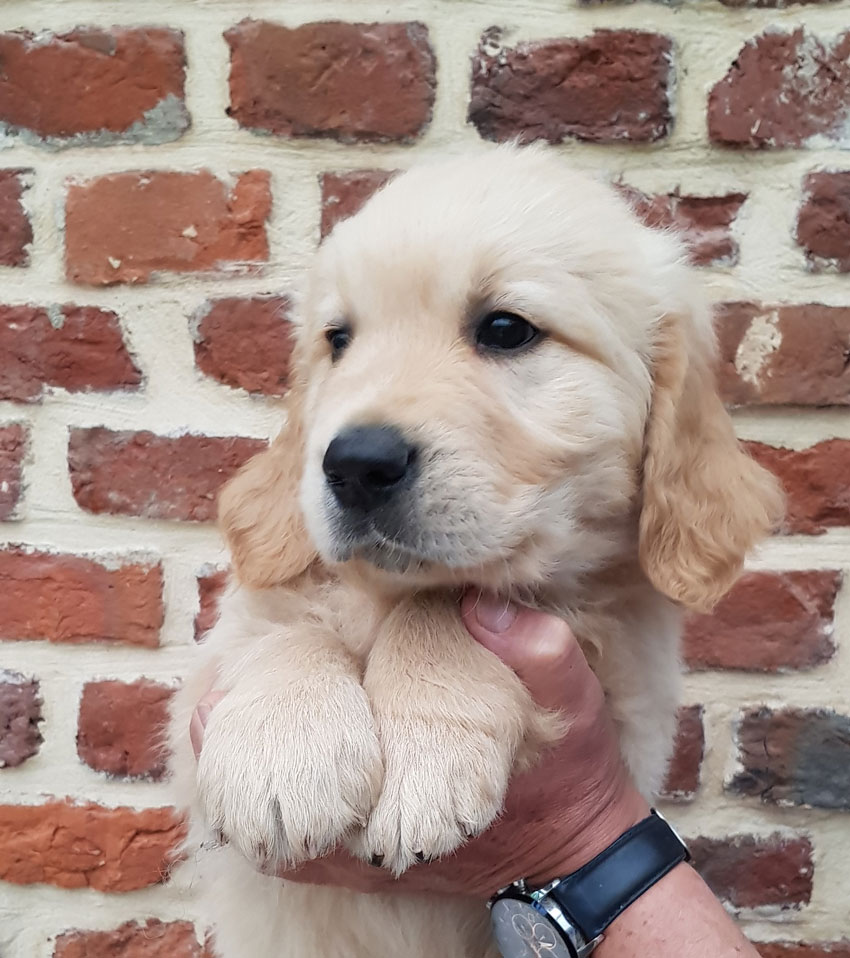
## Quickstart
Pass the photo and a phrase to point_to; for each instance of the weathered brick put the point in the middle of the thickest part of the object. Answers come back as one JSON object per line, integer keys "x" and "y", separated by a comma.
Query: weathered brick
{"x": 15, "y": 226}
{"x": 353, "y": 82}
{"x": 823, "y": 223}
{"x": 794, "y": 757}
{"x": 800, "y": 949}
{"x": 683, "y": 773}
{"x": 13, "y": 450}
{"x": 68, "y": 598}
{"x": 783, "y": 90}
{"x": 609, "y": 87}
{"x": 816, "y": 481}
{"x": 158, "y": 477}
{"x": 77, "y": 348}
{"x": 769, "y": 622}
{"x": 704, "y": 222}
{"x": 246, "y": 343}
{"x": 87, "y": 846}
{"x": 153, "y": 939}
{"x": 344, "y": 194}
{"x": 784, "y": 355}
{"x": 120, "y": 728}
{"x": 20, "y": 715}
{"x": 123, "y": 227}
{"x": 749, "y": 872}
{"x": 211, "y": 585}
{"x": 93, "y": 86}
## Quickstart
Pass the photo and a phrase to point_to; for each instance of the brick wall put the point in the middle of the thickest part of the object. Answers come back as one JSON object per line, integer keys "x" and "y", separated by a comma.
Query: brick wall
{"x": 167, "y": 169}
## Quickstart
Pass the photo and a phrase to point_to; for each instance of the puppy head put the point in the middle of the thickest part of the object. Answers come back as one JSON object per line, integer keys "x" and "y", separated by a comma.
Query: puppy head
{"x": 494, "y": 355}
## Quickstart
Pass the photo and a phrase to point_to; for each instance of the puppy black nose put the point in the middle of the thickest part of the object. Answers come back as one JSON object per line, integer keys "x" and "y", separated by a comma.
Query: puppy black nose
{"x": 365, "y": 465}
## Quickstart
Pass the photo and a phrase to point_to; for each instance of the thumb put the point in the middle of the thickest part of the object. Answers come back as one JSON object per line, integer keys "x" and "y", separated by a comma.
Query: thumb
{"x": 540, "y": 648}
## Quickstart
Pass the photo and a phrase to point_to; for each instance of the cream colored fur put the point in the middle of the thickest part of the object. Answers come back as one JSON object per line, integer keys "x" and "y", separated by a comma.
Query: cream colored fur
{"x": 595, "y": 475}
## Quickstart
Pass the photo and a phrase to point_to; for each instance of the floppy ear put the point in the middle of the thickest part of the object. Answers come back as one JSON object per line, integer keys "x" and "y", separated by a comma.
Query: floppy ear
{"x": 259, "y": 512}
{"x": 705, "y": 501}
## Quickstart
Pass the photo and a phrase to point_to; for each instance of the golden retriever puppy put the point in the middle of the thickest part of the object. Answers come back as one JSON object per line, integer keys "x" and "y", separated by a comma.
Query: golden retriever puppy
{"x": 502, "y": 380}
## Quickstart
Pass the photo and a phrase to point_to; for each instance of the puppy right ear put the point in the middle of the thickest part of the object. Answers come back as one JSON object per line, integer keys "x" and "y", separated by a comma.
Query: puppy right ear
{"x": 259, "y": 512}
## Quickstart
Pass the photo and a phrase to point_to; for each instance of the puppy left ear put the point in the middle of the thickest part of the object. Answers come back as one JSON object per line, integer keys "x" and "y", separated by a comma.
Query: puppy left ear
{"x": 259, "y": 512}
{"x": 705, "y": 502}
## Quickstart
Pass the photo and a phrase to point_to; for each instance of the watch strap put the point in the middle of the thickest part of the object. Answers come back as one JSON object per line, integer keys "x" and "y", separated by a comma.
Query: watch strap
{"x": 602, "y": 889}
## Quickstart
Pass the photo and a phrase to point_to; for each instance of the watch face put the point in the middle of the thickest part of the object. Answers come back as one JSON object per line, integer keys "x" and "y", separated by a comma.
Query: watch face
{"x": 521, "y": 931}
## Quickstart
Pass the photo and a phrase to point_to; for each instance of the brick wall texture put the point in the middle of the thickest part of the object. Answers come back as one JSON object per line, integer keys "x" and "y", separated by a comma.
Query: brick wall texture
{"x": 166, "y": 169}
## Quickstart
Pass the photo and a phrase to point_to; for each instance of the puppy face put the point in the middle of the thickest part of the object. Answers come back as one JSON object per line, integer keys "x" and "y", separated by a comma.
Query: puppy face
{"x": 495, "y": 364}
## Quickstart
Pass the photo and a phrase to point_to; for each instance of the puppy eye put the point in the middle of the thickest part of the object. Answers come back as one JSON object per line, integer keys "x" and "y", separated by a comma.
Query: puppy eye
{"x": 339, "y": 337}
{"x": 504, "y": 331}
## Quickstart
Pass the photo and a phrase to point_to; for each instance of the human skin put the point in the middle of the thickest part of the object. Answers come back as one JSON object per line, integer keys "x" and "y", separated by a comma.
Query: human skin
{"x": 559, "y": 815}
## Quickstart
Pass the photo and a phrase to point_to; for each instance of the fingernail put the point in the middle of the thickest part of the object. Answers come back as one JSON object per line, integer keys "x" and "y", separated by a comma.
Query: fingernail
{"x": 495, "y": 614}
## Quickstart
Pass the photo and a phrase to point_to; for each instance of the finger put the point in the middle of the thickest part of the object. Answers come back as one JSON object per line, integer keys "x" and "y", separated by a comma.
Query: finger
{"x": 200, "y": 717}
{"x": 540, "y": 648}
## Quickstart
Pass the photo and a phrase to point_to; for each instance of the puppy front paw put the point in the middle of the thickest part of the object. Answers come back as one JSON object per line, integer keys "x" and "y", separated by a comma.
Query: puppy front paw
{"x": 444, "y": 782}
{"x": 285, "y": 776}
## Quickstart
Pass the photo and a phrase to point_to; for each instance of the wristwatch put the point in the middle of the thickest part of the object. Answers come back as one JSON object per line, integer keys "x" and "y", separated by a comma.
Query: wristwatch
{"x": 567, "y": 917}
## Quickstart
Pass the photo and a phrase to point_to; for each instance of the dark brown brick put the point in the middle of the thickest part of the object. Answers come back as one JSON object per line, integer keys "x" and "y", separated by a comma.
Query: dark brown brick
{"x": 156, "y": 477}
{"x": 612, "y": 86}
{"x": 124, "y": 227}
{"x": 784, "y": 355}
{"x": 153, "y": 939}
{"x": 15, "y": 226}
{"x": 211, "y": 586}
{"x": 794, "y": 757}
{"x": 20, "y": 716}
{"x": 749, "y": 872}
{"x": 121, "y": 727}
{"x": 13, "y": 450}
{"x": 816, "y": 481}
{"x": 769, "y": 622}
{"x": 246, "y": 343}
{"x": 78, "y": 348}
{"x": 87, "y": 846}
{"x": 93, "y": 86}
{"x": 68, "y": 598}
{"x": 799, "y": 949}
{"x": 353, "y": 82}
{"x": 683, "y": 774}
{"x": 344, "y": 194}
{"x": 823, "y": 223}
{"x": 704, "y": 222}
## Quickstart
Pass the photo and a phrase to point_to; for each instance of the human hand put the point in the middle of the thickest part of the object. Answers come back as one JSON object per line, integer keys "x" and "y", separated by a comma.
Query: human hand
{"x": 576, "y": 801}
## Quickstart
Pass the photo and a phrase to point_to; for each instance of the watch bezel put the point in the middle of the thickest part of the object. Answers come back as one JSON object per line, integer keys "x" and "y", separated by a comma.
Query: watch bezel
{"x": 540, "y": 901}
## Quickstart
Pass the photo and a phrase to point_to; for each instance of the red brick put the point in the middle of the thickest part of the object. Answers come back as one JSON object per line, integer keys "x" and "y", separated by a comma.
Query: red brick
{"x": 784, "y": 355}
{"x": 123, "y": 227}
{"x": 609, "y": 87}
{"x": 13, "y": 450}
{"x": 94, "y": 86}
{"x": 683, "y": 773}
{"x": 799, "y": 949}
{"x": 153, "y": 939}
{"x": 823, "y": 223}
{"x": 344, "y": 194}
{"x": 783, "y": 90}
{"x": 704, "y": 222}
{"x": 353, "y": 82}
{"x": 20, "y": 716}
{"x": 769, "y": 622}
{"x": 794, "y": 757}
{"x": 87, "y": 846}
{"x": 816, "y": 481}
{"x": 15, "y": 227}
{"x": 156, "y": 477}
{"x": 81, "y": 349}
{"x": 68, "y": 598}
{"x": 750, "y": 872}
{"x": 121, "y": 725}
{"x": 246, "y": 343}
{"x": 210, "y": 589}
